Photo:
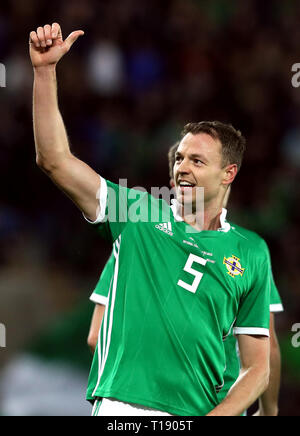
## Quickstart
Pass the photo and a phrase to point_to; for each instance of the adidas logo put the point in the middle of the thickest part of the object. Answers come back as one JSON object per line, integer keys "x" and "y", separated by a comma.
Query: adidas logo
{"x": 166, "y": 228}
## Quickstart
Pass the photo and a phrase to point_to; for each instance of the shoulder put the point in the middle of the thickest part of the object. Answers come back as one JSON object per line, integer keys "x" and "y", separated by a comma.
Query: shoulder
{"x": 252, "y": 240}
{"x": 122, "y": 188}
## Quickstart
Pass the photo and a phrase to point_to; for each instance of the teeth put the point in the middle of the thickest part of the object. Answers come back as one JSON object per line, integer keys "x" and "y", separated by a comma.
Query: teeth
{"x": 185, "y": 184}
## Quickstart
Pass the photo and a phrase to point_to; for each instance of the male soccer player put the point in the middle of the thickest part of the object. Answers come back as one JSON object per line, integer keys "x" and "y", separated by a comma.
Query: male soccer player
{"x": 268, "y": 402}
{"x": 182, "y": 278}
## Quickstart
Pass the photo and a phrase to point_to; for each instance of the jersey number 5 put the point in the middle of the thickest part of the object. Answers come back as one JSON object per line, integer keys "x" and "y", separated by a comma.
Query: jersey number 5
{"x": 197, "y": 274}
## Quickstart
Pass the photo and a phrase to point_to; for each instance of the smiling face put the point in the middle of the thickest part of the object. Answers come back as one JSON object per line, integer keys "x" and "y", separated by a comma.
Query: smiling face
{"x": 199, "y": 163}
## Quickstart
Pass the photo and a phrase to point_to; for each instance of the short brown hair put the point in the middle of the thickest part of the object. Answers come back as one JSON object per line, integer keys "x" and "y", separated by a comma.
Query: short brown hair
{"x": 171, "y": 158}
{"x": 232, "y": 140}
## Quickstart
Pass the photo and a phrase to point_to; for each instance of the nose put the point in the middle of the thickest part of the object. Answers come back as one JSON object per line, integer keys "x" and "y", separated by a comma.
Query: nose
{"x": 183, "y": 167}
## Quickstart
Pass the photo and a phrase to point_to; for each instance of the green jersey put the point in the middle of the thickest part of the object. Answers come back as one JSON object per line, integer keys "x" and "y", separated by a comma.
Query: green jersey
{"x": 231, "y": 345}
{"x": 175, "y": 295}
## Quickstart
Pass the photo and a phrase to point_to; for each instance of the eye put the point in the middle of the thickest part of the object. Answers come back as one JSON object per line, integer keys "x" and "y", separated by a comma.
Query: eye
{"x": 198, "y": 162}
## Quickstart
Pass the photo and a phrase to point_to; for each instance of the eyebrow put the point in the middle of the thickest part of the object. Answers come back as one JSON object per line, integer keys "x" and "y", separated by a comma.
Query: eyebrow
{"x": 193, "y": 156}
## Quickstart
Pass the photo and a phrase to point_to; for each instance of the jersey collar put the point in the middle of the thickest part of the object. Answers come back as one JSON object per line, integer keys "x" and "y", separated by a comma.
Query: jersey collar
{"x": 225, "y": 226}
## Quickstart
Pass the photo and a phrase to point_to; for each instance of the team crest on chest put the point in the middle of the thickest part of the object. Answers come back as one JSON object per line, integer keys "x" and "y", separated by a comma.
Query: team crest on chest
{"x": 233, "y": 265}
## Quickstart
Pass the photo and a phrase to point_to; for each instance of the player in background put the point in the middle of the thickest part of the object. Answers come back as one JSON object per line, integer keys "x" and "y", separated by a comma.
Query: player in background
{"x": 100, "y": 298}
{"x": 168, "y": 294}
{"x": 268, "y": 402}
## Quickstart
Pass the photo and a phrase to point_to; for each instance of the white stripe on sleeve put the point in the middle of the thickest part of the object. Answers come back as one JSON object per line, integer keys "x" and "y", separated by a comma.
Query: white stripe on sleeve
{"x": 98, "y": 299}
{"x": 251, "y": 331}
{"x": 102, "y": 196}
{"x": 275, "y": 308}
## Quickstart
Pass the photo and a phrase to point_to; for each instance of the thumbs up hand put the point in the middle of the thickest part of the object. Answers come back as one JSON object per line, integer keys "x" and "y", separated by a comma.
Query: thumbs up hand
{"x": 47, "y": 46}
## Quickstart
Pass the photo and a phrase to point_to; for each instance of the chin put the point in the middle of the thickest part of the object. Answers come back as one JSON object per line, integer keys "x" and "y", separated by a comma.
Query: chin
{"x": 187, "y": 202}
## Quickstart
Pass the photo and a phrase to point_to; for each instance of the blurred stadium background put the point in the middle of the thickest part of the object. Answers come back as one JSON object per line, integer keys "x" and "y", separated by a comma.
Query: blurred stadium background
{"x": 141, "y": 72}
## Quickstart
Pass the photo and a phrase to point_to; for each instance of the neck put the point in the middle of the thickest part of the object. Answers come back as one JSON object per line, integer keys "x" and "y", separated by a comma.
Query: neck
{"x": 204, "y": 222}
{"x": 209, "y": 218}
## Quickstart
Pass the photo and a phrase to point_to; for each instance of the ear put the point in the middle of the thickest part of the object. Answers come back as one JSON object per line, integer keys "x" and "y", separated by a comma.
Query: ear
{"x": 230, "y": 173}
{"x": 172, "y": 184}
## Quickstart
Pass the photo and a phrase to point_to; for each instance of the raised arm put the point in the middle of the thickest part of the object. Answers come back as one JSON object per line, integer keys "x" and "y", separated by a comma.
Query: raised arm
{"x": 253, "y": 379}
{"x": 53, "y": 155}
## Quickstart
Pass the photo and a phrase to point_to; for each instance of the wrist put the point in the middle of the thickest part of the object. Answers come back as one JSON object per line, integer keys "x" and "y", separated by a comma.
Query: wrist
{"x": 44, "y": 70}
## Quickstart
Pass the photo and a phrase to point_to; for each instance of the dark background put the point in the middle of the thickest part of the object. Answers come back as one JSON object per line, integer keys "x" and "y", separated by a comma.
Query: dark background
{"x": 142, "y": 71}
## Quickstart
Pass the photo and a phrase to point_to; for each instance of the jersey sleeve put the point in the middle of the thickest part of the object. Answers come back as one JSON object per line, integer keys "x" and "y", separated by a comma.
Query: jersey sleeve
{"x": 254, "y": 310}
{"x": 275, "y": 299}
{"x": 116, "y": 204}
{"x": 276, "y": 305}
{"x": 101, "y": 291}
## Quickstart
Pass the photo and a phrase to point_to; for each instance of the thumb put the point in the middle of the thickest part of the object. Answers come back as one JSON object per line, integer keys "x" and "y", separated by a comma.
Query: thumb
{"x": 73, "y": 38}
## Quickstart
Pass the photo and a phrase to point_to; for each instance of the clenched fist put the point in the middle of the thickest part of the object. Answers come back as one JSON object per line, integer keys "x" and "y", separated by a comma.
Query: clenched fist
{"x": 47, "y": 46}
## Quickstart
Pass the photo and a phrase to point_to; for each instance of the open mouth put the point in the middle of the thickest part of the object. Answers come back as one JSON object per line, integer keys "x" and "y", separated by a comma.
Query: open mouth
{"x": 186, "y": 185}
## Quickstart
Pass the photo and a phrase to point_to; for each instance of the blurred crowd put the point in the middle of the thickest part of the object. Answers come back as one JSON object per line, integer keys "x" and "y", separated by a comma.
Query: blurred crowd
{"x": 142, "y": 71}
